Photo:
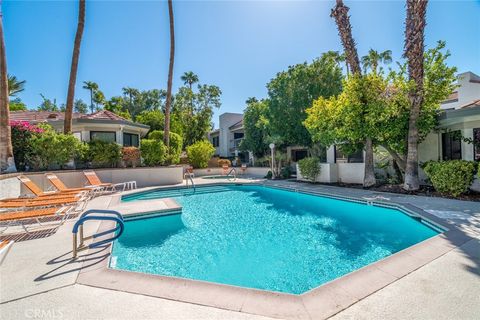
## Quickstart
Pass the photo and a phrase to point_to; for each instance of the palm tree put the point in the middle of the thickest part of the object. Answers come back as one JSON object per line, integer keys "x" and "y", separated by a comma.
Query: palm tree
{"x": 340, "y": 14}
{"x": 168, "y": 103}
{"x": 67, "y": 127}
{"x": 414, "y": 51}
{"x": 15, "y": 86}
{"x": 336, "y": 57}
{"x": 189, "y": 78}
{"x": 7, "y": 163}
{"x": 92, "y": 87}
{"x": 373, "y": 58}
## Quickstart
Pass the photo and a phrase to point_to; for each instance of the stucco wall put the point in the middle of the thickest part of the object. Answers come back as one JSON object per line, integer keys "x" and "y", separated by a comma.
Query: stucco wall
{"x": 351, "y": 172}
{"x": 328, "y": 173}
{"x": 145, "y": 177}
{"x": 251, "y": 171}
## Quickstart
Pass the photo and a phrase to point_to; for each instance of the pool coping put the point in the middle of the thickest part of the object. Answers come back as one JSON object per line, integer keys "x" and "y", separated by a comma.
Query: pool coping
{"x": 318, "y": 303}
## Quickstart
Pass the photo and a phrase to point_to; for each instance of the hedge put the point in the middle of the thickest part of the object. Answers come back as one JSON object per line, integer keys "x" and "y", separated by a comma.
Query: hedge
{"x": 452, "y": 177}
{"x": 309, "y": 168}
{"x": 199, "y": 153}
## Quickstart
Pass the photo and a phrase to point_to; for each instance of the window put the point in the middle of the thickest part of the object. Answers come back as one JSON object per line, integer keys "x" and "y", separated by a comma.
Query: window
{"x": 216, "y": 141}
{"x": 451, "y": 145}
{"x": 341, "y": 157}
{"x": 108, "y": 136}
{"x": 476, "y": 144}
{"x": 237, "y": 135}
{"x": 298, "y": 155}
{"x": 130, "y": 140}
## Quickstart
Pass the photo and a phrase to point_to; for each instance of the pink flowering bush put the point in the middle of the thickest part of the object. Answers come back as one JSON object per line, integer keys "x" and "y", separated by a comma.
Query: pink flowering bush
{"x": 22, "y": 134}
{"x": 25, "y": 126}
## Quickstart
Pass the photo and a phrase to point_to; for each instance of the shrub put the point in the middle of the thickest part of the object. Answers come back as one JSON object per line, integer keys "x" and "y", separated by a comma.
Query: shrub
{"x": 153, "y": 152}
{"x": 131, "y": 156}
{"x": 50, "y": 150}
{"x": 309, "y": 168}
{"x": 199, "y": 153}
{"x": 22, "y": 134}
{"x": 269, "y": 175}
{"x": 451, "y": 177}
{"x": 176, "y": 143}
{"x": 286, "y": 172}
{"x": 224, "y": 162}
{"x": 103, "y": 153}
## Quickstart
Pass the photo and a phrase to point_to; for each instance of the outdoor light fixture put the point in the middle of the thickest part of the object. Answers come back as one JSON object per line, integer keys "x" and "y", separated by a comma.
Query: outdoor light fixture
{"x": 272, "y": 147}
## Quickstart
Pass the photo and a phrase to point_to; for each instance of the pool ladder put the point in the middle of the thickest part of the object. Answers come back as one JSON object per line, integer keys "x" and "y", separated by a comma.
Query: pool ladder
{"x": 107, "y": 215}
{"x": 191, "y": 180}
{"x": 234, "y": 173}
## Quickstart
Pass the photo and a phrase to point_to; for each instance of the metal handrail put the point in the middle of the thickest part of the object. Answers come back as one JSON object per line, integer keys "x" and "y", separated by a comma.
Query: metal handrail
{"x": 88, "y": 215}
{"x": 234, "y": 173}
{"x": 189, "y": 177}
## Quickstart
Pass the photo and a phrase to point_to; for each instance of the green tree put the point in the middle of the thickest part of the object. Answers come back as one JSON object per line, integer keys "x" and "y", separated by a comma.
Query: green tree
{"x": 17, "y": 105}
{"x": 342, "y": 20}
{"x": 15, "y": 86}
{"x": 294, "y": 90}
{"x": 255, "y": 123}
{"x": 154, "y": 118}
{"x": 374, "y": 58}
{"x": 189, "y": 78}
{"x": 377, "y": 106}
{"x": 92, "y": 87}
{"x": 200, "y": 153}
{"x": 48, "y": 105}
{"x": 80, "y": 106}
{"x": 192, "y": 112}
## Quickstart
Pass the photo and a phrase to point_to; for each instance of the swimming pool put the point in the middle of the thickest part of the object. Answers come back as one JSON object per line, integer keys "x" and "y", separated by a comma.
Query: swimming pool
{"x": 264, "y": 238}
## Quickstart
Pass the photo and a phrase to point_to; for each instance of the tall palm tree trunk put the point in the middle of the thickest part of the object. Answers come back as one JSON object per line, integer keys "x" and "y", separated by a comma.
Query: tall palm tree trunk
{"x": 7, "y": 164}
{"x": 168, "y": 102}
{"x": 67, "y": 127}
{"x": 340, "y": 14}
{"x": 414, "y": 50}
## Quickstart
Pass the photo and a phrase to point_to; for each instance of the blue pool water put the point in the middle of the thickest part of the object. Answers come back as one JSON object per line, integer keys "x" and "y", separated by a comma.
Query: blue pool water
{"x": 264, "y": 238}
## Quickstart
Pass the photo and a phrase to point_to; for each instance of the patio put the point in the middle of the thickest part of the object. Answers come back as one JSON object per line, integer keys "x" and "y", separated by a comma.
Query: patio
{"x": 446, "y": 288}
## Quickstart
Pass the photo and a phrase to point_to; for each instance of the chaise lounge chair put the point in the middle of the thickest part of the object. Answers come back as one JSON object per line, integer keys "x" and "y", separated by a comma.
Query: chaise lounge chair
{"x": 57, "y": 183}
{"x": 5, "y": 246}
{"x": 33, "y": 216}
{"x": 94, "y": 180}
{"x": 39, "y": 192}
{"x": 19, "y": 203}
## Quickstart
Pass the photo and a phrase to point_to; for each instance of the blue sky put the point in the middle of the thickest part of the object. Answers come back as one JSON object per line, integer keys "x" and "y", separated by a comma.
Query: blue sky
{"x": 237, "y": 45}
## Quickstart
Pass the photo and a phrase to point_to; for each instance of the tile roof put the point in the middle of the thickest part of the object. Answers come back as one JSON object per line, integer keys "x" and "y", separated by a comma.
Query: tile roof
{"x": 237, "y": 124}
{"x": 475, "y": 103}
{"x": 41, "y": 116}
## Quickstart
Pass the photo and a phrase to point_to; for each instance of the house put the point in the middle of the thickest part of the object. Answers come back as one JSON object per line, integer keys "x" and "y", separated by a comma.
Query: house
{"x": 227, "y": 138}
{"x": 103, "y": 125}
{"x": 458, "y": 134}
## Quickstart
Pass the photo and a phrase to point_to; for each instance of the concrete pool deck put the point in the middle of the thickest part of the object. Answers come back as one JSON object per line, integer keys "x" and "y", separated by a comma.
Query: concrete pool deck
{"x": 38, "y": 277}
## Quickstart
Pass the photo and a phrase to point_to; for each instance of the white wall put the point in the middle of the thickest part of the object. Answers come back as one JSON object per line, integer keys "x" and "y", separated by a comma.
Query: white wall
{"x": 251, "y": 171}
{"x": 226, "y": 120}
{"x": 145, "y": 177}
{"x": 351, "y": 172}
{"x": 328, "y": 173}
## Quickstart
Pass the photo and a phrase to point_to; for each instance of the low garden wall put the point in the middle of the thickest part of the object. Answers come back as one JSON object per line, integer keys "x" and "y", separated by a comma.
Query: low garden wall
{"x": 338, "y": 172}
{"x": 259, "y": 172}
{"x": 145, "y": 177}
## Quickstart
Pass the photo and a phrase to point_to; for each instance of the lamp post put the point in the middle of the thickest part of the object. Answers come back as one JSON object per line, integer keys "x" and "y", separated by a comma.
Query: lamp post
{"x": 272, "y": 147}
